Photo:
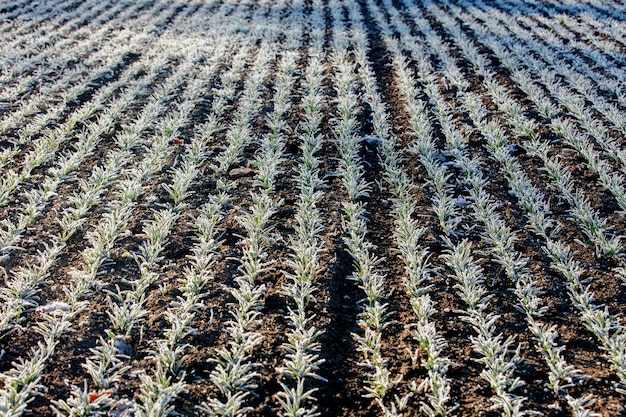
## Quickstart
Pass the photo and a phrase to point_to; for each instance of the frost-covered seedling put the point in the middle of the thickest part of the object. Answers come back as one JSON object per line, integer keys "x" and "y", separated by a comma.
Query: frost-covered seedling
{"x": 407, "y": 235}
{"x": 81, "y": 403}
{"x": 346, "y": 115}
{"x": 270, "y": 155}
{"x": 234, "y": 374}
{"x": 239, "y": 134}
{"x": 292, "y": 401}
{"x": 597, "y": 319}
{"x": 101, "y": 240}
{"x": 45, "y": 147}
{"x": 562, "y": 375}
{"x": 155, "y": 233}
{"x": 593, "y": 226}
{"x": 105, "y": 365}
{"x": 499, "y": 360}
{"x": 613, "y": 182}
{"x": 497, "y": 234}
{"x": 101, "y": 177}
{"x": 9, "y": 236}
{"x": 123, "y": 316}
{"x": 23, "y": 380}
{"x": 157, "y": 393}
{"x": 580, "y": 406}
{"x": 374, "y": 317}
{"x": 302, "y": 360}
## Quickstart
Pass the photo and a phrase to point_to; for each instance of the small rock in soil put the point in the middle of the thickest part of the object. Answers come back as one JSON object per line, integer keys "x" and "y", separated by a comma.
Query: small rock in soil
{"x": 461, "y": 202}
{"x": 516, "y": 150}
{"x": 240, "y": 172}
{"x": 54, "y": 308}
{"x": 372, "y": 140}
{"x": 122, "y": 345}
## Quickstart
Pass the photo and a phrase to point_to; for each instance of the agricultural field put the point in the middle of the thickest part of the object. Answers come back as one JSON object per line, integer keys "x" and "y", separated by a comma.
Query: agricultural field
{"x": 312, "y": 208}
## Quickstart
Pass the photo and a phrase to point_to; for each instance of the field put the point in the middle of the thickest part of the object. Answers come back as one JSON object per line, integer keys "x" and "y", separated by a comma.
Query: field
{"x": 312, "y": 207}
